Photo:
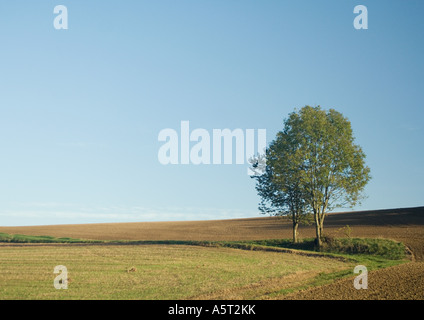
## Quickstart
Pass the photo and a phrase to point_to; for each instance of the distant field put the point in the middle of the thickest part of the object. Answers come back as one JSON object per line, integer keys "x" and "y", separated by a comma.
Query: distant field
{"x": 182, "y": 271}
{"x": 405, "y": 225}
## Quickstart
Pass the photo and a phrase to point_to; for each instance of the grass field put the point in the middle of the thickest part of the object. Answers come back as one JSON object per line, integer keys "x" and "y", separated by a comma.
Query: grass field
{"x": 161, "y": 271}
{"x": 236, "y": 259}
{"x": 246, "y": 270}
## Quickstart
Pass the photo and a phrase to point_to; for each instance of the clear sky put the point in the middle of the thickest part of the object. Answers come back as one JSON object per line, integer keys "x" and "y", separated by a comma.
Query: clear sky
{"x": 81, "y": 109}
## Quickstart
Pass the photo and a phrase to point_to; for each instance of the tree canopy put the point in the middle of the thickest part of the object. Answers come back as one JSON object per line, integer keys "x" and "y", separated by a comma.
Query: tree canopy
{"x": 313, "y": 166}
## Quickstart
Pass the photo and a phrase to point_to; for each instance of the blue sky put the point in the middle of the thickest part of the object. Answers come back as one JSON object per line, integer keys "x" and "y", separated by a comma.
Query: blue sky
{"x": 81, "y": 109}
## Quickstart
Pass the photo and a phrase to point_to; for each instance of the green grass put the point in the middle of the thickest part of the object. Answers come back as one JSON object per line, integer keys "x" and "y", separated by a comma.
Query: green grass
{"x": 385, "y": 248}
{"x": 371, "y": 252}
{"x": 19, "y": 238}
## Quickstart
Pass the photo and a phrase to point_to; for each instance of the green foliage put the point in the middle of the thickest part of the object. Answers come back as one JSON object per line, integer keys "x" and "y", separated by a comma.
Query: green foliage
{"x": 304, "y": 244}
{"x": 313, "y": 165}
{"x": 347, "y": 230}
{"x": 317, "y": 147}
{"x": 385, "y": 248}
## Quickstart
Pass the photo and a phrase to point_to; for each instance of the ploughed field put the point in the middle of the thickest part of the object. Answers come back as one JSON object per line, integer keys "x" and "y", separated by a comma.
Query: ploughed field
{"x": 404, "y": 281}
{"x": 405, "y": 225}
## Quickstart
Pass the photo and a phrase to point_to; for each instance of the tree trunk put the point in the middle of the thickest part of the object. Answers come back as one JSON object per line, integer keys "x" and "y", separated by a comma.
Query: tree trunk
{"x": 318, "y": 229}
{"x": 321, "y": 222}
{"x": 295, "y": 226}
{"x": 318, "y": 241}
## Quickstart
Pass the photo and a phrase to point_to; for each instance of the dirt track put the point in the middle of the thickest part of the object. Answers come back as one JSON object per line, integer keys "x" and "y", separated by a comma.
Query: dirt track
{"x": 400, "y": 282}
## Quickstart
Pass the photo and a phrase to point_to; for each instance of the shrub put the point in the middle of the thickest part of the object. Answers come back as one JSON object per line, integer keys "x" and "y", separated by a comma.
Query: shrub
{"x": 383, "y": 247}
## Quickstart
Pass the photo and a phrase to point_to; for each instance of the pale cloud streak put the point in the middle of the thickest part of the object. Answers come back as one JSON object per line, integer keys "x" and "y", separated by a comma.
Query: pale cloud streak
{"x": 58, "y": 213}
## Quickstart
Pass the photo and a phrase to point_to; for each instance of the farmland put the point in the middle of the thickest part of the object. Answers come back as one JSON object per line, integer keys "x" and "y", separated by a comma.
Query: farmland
{"x": 158, "y": 271}
{"x": 112, "y": 270}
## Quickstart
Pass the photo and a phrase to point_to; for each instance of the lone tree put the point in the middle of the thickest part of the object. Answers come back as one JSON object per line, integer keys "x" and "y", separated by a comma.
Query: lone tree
{"x": 282, "y": 196}
{"x": 313, "y": 166}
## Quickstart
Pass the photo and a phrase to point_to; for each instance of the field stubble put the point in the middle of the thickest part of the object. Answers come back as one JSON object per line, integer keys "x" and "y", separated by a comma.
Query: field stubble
{"x": 151, "y": 271}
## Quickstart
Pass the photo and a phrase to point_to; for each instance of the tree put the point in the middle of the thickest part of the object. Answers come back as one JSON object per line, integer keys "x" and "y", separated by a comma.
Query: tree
{"x": 315, "y": 158}
{"x": 280, "y": 197}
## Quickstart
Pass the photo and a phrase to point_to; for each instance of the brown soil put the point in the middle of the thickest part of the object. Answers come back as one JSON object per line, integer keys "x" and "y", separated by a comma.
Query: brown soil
{"x": 400, "y": 282}
{"x": 405, "y": 225}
